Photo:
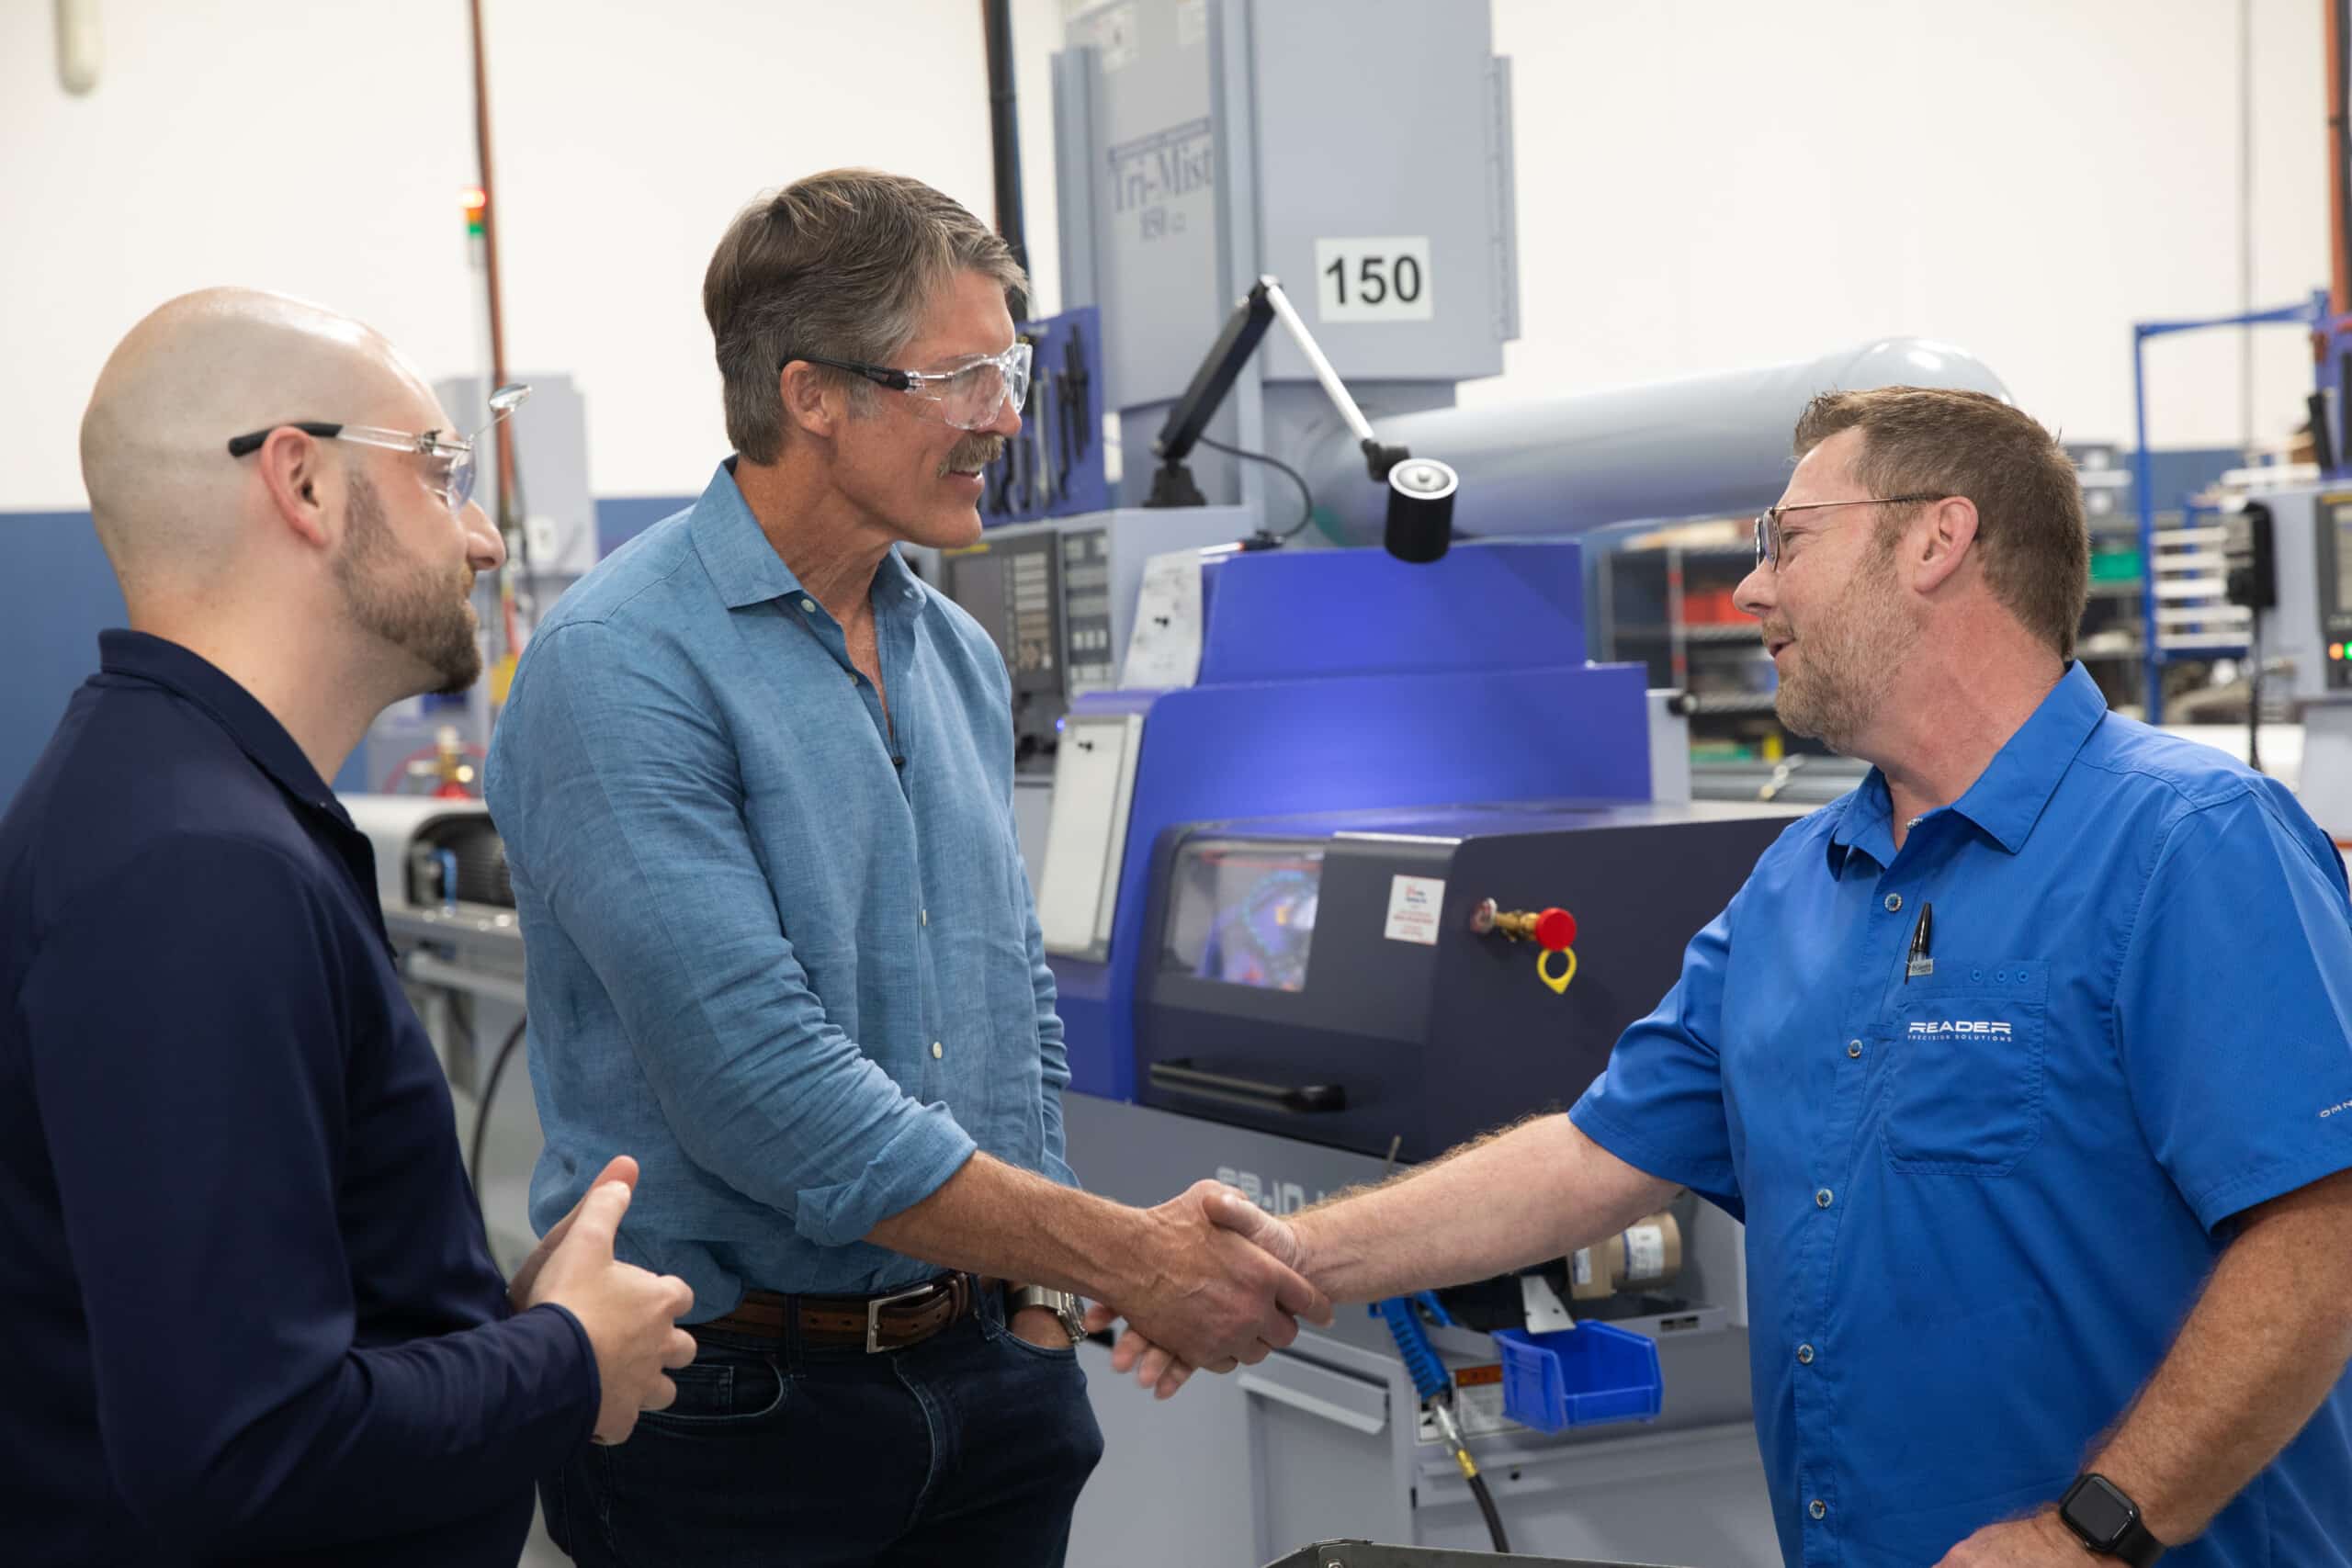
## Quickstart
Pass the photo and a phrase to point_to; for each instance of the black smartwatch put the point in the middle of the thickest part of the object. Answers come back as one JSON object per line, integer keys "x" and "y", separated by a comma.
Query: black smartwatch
{"x": 2109, "y": 1523}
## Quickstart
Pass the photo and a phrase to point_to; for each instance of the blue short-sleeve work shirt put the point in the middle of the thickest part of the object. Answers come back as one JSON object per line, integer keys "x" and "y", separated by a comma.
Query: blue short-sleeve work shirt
{"x": 1980, "y": 1202}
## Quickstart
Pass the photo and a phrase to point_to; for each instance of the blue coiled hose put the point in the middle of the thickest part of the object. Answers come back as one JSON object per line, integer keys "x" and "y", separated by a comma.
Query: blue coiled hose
{"x": 1430, "y": 1379}
{"x": 1436, "y": 1389}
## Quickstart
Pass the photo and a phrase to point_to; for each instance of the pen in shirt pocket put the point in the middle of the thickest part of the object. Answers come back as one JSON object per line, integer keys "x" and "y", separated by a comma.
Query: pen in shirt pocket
{"x": 1921, "y": 935}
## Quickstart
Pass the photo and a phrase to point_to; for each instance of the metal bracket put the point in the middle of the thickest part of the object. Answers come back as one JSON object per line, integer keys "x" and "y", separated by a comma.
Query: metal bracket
{"x": 1546, "y": 1314}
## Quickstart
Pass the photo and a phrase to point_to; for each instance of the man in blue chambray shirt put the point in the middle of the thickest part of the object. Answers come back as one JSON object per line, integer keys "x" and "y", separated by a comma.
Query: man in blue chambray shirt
{"x": 2049, "y": 1228}
{"x": 755, "y": 783}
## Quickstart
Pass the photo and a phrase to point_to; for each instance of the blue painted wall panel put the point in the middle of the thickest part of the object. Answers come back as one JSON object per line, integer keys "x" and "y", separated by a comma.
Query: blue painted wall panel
{"x": 624, "y": 517}
{"x": 56, "y": 593}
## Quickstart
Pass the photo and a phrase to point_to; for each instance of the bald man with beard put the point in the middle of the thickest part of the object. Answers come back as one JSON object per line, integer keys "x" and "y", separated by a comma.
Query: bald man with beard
{"x": 250, "y": 1309}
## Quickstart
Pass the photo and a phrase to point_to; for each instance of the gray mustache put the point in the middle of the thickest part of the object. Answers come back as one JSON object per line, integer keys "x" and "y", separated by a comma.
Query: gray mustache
{"x": 972, "y": 452}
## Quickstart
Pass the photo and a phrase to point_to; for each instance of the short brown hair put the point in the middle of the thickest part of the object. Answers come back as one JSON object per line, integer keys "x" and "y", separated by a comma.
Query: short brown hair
{"x": 840, "y": 264}
{"x": 1931, "y": 441}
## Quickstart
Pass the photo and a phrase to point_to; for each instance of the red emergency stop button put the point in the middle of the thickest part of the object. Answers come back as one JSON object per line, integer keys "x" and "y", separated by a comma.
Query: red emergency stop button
{"x": 1556, "y": 930}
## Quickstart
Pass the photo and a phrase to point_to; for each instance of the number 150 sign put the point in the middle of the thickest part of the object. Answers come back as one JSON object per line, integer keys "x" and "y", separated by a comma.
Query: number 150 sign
{"x": 1373, "y": 280}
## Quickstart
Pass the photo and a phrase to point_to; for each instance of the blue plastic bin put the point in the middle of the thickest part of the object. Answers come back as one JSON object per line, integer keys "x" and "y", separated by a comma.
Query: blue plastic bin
{"x": 1578, "y": 1377}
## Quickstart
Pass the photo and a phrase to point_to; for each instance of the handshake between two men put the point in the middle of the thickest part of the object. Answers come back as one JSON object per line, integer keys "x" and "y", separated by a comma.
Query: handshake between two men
{"x": 1188, "y": 1276}
{"x": 1209, "y": 1281}
{"x": 1204, "y": 1280}
{"x": 1198, "y": 1283}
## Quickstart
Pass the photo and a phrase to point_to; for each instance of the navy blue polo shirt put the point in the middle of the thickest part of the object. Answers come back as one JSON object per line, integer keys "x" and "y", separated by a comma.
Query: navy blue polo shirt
{"x": 1980, "y": 1202}
{"x": 249, "y": 1310}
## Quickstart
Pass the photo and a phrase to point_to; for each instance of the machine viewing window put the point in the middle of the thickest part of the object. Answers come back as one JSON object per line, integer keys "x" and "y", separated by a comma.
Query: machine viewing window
{"x": 1242, "y": 911}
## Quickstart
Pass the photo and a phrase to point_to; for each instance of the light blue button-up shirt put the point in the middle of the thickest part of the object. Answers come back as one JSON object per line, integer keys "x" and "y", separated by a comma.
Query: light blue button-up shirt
{"x": 780, "y": 951}
{"x": 1980, "y": 1200}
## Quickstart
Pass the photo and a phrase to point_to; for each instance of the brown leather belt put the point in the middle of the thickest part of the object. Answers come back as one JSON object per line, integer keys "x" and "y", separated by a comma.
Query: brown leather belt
{"x": 888, "y": 1322}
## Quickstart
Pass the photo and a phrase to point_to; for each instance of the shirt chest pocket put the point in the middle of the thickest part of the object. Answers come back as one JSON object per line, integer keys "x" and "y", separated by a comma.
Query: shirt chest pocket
{"x": 1964, "y": 1083}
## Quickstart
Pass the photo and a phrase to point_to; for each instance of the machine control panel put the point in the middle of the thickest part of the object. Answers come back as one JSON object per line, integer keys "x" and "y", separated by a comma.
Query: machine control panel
{"x": 1013, "y": 587}
{"x": 1058, "y": 598}
{"x": 2332, "y": 540}
{"x": 2290, "y": 562}
{"x": 1090, "y": 658}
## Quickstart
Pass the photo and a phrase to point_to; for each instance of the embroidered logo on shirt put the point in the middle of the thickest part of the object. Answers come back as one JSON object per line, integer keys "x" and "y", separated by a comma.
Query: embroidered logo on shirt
{"x": 1942, "y": 1027}
{"x": 2335, "y": 1109}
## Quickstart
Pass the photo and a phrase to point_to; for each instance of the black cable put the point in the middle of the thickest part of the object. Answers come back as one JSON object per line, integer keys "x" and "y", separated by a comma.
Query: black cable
{"x": 463, "y": 1025}
{"x": 481, "y": 1116}
{"x": 2254, "y": 692}
{"x": 1486, "y": 1506}
{"x": 1307, "y": 515}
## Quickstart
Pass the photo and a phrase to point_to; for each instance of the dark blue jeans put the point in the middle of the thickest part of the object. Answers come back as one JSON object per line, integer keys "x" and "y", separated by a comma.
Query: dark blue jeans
{"x": 968, "y": 1449}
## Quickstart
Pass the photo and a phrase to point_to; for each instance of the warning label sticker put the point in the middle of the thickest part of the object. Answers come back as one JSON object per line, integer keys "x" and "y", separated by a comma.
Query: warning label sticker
{"x": 1477, "y": 1404}
{"x": 1415, "y": 904}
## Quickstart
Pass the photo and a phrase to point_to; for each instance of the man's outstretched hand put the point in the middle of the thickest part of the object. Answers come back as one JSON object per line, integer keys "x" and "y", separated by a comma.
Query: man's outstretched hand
{"x": 1155, "y": 1360}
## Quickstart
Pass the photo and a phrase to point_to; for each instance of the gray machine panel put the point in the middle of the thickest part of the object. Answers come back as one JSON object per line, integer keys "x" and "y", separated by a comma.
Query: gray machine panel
{"x": 1204, "y": 142}
{"x": 1338, "y": 158}
{"x": 1688, "y": 1488}
{"x": 1372, "y": 1554}
{"x": 1058, "y": 598}
{"x": 1150, "y": 147}
{"x": 2311, "y": 537}
{"x": 2332, "y": 535}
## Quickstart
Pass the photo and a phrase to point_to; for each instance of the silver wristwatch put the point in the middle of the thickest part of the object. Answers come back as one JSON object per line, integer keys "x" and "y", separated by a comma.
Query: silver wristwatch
{"x": 1061, "y": 1303}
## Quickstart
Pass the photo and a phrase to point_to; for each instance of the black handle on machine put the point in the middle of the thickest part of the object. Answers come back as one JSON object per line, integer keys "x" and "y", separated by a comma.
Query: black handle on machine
{"x": 1178, "y": 1076}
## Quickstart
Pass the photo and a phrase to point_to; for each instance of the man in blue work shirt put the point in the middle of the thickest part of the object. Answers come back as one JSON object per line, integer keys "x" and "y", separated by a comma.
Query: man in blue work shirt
{"x": 250, "y": 1310}
{"x": 754, "y": 780}
{"x": 2029, "y": 1064}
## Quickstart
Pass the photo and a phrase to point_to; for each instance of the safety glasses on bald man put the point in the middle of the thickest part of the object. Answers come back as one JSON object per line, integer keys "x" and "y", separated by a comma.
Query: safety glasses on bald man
{"x": 970, "y": 393}
{"x": 452, "y": 466}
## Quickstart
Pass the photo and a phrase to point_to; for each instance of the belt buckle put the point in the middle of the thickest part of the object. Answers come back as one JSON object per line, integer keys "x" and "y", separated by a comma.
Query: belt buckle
{"x": 874, "y": 1311}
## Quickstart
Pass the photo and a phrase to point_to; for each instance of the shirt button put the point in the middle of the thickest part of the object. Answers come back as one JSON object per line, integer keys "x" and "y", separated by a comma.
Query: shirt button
{"x": 1853, "y": 1047}
{"x": 1823, "y": 1198}
{"x": 1894, "y": 902}
{"x": 1818, "y": 1509}
{"x": 938, "y": 1050}
{"x": 924, "y": 915}
{"x": 810, "y": 606}
{"x": 1805, "y": 1355}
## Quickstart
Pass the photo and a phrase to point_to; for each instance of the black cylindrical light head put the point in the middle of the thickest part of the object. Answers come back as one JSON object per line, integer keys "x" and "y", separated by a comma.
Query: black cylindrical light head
{"x": 1420, "y": 510}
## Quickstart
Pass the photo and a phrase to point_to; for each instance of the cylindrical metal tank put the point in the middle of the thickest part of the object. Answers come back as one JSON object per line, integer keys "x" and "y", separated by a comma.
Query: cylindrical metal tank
{"x": 1689, "y": 448}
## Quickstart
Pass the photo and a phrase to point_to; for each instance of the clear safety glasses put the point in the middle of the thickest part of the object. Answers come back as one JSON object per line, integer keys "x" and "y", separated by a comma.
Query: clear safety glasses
{"x": 450, "y": 464}
{"x": 970, "y": 395}
{"x": 1770, "y": 541}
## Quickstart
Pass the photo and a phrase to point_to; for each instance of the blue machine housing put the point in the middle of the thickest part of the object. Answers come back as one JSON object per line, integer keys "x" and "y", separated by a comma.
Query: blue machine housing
{"x": 1346, "y": 680}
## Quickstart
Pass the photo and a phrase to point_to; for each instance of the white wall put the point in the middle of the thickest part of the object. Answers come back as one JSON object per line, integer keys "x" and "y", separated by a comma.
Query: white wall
{"x": 1708, "y": 183}
{"x": 1703, "y": 183}
{"x": 320, "y": 150}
